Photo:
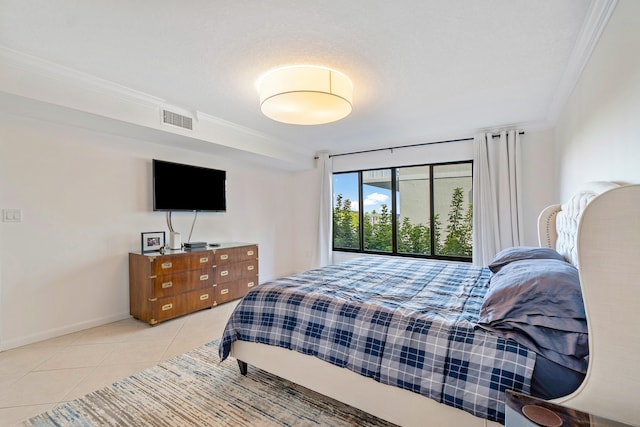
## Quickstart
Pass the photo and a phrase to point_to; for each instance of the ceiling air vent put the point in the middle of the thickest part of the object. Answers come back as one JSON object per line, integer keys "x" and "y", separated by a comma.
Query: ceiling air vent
{"x": 175, "y": 119}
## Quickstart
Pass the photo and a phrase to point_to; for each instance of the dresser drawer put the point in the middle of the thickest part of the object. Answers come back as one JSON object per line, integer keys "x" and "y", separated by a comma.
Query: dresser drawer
{"x": 177, "y": 305}
{"x": 231, "y": 272}
{"x": 235, "y": 289}
{"x": 232, "y": 255}
{"x": 186, "y": 281}
{"x": 171, "y": 263}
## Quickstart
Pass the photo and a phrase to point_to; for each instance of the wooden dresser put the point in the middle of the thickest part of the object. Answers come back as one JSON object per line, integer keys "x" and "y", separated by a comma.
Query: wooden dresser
{"x": 162, "y": 287}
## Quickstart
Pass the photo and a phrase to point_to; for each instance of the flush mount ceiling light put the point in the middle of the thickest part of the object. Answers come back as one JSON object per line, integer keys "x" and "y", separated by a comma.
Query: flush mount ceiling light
{"x": 305, "y": 95}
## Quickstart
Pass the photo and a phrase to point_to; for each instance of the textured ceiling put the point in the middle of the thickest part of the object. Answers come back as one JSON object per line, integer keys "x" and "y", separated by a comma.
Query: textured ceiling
{"x": 421, "y": 69}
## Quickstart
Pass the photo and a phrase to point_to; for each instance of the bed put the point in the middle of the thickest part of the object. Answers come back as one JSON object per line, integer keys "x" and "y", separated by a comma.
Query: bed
{"x": 596, "y": 233}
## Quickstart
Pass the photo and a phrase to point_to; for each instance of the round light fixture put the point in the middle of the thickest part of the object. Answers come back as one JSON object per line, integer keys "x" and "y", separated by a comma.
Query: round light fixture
{"x": 305, "y": 95}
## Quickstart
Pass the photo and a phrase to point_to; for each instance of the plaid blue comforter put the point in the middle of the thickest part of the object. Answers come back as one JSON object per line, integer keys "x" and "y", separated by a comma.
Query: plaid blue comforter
{"x": 404, "y": 322}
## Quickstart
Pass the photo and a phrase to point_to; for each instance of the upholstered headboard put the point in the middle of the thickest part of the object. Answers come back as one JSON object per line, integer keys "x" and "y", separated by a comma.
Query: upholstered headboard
{"x": 605, "y": 245}
{"x": 558, "y": 224}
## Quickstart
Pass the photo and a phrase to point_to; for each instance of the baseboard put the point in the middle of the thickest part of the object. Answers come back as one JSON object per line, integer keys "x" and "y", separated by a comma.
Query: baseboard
{"x": 58, "y": 332}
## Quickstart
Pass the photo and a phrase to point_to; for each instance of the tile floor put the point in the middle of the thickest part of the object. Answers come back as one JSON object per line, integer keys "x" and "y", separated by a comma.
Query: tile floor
{"x": 37, "y": 377}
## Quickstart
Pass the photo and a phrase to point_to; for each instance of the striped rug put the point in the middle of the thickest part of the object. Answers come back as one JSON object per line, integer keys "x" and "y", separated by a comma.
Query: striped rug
{"x": 194, "y": 389}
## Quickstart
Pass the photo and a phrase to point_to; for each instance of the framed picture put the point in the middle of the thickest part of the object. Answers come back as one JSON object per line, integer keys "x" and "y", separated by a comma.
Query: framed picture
{"x": 152, "y": 242}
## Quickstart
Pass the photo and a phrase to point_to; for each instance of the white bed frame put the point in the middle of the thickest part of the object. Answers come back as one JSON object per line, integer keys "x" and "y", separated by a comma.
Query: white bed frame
{"x": 598, "y": 229}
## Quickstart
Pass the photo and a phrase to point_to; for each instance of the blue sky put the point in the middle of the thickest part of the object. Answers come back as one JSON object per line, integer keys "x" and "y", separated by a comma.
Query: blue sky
{"x": 347, "y": 185}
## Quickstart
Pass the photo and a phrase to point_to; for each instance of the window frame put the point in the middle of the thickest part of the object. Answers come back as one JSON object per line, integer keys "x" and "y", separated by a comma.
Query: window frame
{"x": 394, "y": 216}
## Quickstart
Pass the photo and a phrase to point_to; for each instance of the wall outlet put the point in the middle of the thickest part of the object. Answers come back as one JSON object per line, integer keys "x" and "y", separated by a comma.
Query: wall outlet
{"x": 12, "y": 215}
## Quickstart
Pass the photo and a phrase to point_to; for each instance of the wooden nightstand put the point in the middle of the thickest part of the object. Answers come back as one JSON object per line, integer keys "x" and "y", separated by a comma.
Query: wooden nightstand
{"x": 526, "y": 411}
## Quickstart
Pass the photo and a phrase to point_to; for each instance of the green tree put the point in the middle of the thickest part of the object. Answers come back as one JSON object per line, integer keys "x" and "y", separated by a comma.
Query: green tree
{"x": 458, "y": 241}
{"x": 377, "y": 230}
{"x": 437, "y": 232}
{"x": 383, "y": 230}
{"x": 467, "y": 234}
{"x": 345, "y": 224}
{"x": 367, "y": 228}
{"x": 413, "y": 239}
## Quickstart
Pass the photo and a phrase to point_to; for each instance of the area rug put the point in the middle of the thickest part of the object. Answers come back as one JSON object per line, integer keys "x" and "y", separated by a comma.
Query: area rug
{"x": 194, "y": 389}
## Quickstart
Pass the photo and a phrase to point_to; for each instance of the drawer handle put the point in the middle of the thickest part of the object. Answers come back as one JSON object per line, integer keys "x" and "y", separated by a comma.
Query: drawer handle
{"x": 224, "y": 256}
{"x": 204, "y": 259}
{"x": 167, "y": 307}
{"x": 166, "y": 265}
{"x": 204, "y": 297}
{"x": 166, "y": 285}
{"x": 224, "y": 273}
{"x": 250, "y": 284}
{"x": 249, "y": 253}
{"x": 204, "y": 277}
{"x": 224, "y": 291}
{"x": 250, "y": 267}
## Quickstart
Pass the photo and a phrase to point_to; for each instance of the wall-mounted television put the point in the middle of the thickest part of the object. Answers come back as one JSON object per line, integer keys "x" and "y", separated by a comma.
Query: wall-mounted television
{"x": 180, "y": 187}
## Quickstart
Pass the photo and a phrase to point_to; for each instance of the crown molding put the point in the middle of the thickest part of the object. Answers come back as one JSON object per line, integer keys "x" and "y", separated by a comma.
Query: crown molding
{"x": 597, "y": 18}
{"x": 43, "y": 81}
{"x": 51, "y": 70}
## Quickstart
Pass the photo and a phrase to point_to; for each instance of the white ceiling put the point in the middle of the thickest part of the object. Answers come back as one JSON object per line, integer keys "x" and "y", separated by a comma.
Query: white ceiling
{"x": 422, "y": 69}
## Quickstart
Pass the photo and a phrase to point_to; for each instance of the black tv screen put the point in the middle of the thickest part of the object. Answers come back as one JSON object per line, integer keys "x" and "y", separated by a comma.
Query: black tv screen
{"x": 179, "y": 187}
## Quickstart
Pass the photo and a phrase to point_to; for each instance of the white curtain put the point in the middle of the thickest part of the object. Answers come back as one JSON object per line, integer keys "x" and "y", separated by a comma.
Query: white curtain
{"x": 324, "y": 252}
{"x": 497, "y": 195}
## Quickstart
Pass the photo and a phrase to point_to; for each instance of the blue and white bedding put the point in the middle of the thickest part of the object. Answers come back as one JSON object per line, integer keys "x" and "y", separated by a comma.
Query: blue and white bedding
{"x": 404, "y": 322}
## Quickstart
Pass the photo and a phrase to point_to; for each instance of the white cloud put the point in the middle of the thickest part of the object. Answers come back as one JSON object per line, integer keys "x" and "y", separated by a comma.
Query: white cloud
{"x": 355, "y": 207}
{"x": 375, "y": 199}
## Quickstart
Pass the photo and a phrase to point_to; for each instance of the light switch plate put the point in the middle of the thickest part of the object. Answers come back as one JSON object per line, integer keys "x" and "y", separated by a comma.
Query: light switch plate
{"x": 12, "y": 215}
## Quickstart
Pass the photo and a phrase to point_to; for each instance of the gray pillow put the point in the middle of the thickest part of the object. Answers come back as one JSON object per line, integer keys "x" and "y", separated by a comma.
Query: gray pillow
{"x": 548, "y": 287}
{"x": 538, "y": 303}
{"x": 518, "y": 253}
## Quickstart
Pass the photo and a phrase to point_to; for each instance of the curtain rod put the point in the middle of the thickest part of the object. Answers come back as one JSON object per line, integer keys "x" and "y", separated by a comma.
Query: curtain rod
{"x": 408, "y": 146}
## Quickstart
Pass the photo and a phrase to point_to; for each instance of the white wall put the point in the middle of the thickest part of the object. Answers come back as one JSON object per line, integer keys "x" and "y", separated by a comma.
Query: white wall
{"x": 539, "y": 180}
{"x": 85, "y": 198}
{"x": 598, "y": 134}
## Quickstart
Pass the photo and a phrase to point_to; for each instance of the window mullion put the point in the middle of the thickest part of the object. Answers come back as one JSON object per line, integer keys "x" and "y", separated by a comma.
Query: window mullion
{"x": 394, "y": 215}
{"x": 432, "y": 222}
{"x": 360, "y": 212}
